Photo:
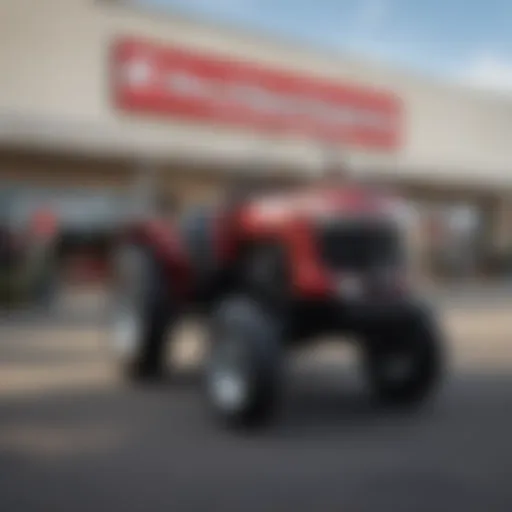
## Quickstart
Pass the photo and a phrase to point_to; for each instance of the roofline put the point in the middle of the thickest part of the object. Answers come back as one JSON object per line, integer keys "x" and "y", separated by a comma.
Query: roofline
{"x": 162, "y": 14}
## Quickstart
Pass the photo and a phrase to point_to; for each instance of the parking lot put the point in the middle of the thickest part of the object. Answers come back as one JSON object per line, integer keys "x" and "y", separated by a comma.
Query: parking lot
{"x": 73, "y": 436}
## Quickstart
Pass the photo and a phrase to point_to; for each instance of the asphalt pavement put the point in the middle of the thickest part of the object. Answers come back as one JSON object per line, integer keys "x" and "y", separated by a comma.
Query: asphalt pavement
{"x": 74, "y": 437}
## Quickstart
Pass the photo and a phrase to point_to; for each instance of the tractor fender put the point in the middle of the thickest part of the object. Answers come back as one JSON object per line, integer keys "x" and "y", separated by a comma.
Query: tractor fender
{"x": 163, "y": 242}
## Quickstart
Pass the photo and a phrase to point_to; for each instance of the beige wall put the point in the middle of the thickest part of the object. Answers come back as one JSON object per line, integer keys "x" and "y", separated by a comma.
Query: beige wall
{"x": 502, "y": 225}
{"x": 53, "y": 59}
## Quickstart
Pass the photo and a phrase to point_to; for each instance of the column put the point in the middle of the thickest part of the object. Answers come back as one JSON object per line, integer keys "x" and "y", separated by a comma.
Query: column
{"x": 502, "y": 225}
{"x": 501, "y": 237}
{"x": 145, "y": 186}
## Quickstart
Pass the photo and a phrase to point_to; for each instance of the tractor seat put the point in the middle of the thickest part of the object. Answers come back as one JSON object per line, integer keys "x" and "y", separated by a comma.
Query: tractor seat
{"x": 195, "y": 228}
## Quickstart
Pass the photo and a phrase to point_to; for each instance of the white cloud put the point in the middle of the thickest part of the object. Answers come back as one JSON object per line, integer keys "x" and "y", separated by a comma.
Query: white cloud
{"x": 367, "y": 21}
{"x": 371, "y": 16}
{"x": 224, "y": 3}
{"x": 367, "y": 34}
{"x": 208, "y": 4}
{"x": 489, "y": 72}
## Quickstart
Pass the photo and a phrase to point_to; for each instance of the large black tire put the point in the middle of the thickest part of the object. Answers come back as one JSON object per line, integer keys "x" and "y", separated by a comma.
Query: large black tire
{"x": 244, "y": 367}
{"x": 265, "y": 272}
{"x": 405, "y": 365}
{"x": 142, "y": 299}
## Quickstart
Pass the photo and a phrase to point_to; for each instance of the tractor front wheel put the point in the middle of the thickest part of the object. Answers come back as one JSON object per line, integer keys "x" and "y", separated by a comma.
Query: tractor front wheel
{"x": 244, "y": 368}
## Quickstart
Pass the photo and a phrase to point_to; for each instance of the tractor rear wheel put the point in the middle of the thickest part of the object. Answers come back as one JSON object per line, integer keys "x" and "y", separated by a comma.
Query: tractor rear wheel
{"x": 405, "y": 366}
{"x": 142, "y": 314}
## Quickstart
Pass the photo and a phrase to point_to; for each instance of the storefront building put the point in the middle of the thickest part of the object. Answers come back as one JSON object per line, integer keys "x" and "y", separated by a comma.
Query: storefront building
{"x": 99, "y": 98}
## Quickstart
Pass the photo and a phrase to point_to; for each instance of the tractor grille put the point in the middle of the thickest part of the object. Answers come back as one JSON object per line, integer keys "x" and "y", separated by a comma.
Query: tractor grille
{"x": 359, "y": 247}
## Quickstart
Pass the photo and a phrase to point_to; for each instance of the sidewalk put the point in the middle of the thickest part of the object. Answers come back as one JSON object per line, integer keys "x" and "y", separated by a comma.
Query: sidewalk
{"x": 91, "y": 307}
{"x": 482, "y": 295}
{"x": 73, "y": 308}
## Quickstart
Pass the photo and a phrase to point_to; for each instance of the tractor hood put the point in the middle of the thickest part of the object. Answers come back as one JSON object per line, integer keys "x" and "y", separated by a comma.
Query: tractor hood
{"x": 316, "y": 205}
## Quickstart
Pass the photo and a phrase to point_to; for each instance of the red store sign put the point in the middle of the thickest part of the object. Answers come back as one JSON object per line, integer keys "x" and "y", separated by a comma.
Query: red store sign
{"x": 172, "y": 81}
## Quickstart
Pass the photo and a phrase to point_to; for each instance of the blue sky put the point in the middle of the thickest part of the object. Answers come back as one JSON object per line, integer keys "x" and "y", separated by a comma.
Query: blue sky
{"x": 469, "y": 41}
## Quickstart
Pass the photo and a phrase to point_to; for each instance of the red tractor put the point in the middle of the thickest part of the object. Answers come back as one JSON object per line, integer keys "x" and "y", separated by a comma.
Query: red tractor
{"x": 270, "y": 272}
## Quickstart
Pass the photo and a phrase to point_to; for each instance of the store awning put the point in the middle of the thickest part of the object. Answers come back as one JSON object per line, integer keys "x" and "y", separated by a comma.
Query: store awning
{"x": 158, "y": 141}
